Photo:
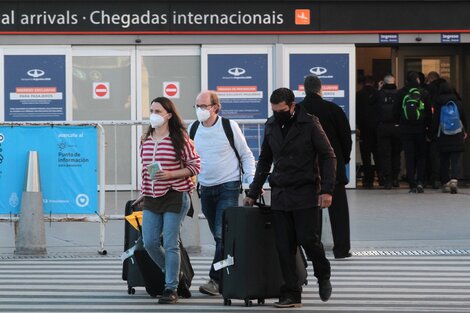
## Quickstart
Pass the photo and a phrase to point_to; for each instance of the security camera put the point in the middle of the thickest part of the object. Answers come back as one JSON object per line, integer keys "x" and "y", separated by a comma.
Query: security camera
{"x": 418, "y": 39}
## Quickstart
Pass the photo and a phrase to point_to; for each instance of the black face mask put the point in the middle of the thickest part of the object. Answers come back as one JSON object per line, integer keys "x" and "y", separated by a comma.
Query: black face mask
{"x": 282, "y": 117}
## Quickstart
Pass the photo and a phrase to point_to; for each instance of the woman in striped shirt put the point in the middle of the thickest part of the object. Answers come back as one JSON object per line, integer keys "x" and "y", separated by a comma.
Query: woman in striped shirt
{"x": 168, "y": 162}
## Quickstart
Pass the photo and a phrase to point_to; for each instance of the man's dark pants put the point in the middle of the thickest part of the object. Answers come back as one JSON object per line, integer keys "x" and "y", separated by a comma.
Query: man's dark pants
{"x": 339, "y": 220}
{"x": 294, "y": 228}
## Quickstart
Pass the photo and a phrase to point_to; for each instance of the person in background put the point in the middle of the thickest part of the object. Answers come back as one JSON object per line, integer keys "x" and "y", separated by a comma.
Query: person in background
{"x": 433, "y": 81}
{"x": 219, "y": 178}
{"x": 336, "y": 126}
{"x": 451, "y": 146}
{"x": 366, "y": 121}
{"x": 388, "y": 133}
{"x": 295, "y": 143}
{"x": 413, "y": 112}
{"x": 168, "y": 161}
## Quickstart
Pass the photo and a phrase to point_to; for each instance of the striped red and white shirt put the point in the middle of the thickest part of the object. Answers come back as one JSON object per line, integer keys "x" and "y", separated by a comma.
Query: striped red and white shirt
{"x": 162, "y": 151}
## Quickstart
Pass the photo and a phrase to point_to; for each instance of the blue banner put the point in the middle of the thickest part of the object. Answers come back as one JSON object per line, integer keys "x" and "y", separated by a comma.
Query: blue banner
{"x": 254, "y": 135}
{"x": 450, "y": 38}
{"x": 67, "y": 167}
{"x": 389, "y": 38}
{"x": 34, "y": 87}
{"x": 241, "y": 81}
{"x": 333, "y": 71}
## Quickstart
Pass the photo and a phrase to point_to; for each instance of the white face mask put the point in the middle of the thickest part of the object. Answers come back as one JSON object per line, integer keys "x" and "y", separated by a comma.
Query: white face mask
{"x": 202, "y": 115}
{"x": 156, "y": 120}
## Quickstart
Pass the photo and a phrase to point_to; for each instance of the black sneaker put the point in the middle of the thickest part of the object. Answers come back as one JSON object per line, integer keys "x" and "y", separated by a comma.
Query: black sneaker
{"x": 343, "y": 256}
{"x": 395, "y": 183}
{"x": 169, "y": 297}
{"x": 324, "y": 289}
{"x": 419, "y": 188}
{"x": 285, "y": 302}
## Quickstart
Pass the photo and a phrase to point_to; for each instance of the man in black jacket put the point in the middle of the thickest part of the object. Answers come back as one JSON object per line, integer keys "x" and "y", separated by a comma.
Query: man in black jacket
{"x": 336, "y": 125}
{"x": 388, "y": 133}
{"x": 366, "y": 119}
{"x": 414, "y": 114}
{"x": 296, "y": 144}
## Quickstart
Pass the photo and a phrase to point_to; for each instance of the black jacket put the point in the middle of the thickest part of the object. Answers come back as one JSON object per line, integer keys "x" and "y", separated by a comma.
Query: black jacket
{"x": 337, "y": 128}
{"x": 299, "y": 159}
{"x": 449, "y": 143}
{"x": 386, "y": 105}
{"x": 407, "y": 127}
{"x": 366, "y": 108}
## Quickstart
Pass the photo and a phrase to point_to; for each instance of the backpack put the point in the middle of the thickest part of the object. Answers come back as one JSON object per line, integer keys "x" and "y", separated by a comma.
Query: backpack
{"x": 413, "y": 106}
{"x": 386, "y": 105}
{"x": 450, "y": 123}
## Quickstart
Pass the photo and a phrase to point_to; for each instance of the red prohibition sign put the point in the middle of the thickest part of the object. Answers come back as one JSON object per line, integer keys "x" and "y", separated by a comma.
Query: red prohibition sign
{"x": 101, "y": 90}
{"x": 171, "y": 90}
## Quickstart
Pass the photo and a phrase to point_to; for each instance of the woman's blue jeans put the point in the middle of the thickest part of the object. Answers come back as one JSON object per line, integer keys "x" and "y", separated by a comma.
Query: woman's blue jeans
{"x": 214, "y": 200}
{"x": 167, "y": 224}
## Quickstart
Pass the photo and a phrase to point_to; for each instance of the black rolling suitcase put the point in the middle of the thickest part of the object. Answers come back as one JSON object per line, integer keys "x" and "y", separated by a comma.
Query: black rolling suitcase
{"x": 154, "y": 278}
{"x": 141, "y": 271}
{"x": 130, "y": 269}
{"x": 248, "y": 237}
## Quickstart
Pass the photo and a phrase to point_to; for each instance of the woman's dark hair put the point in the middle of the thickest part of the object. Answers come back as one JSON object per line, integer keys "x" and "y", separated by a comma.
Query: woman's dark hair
{"x": 445, "y": 88}
{"x": 412, "y": 78}
{"x": 175, "y": 125}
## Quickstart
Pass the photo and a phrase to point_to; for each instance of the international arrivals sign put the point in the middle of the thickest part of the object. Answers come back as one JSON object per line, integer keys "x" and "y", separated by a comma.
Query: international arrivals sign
{"x": 151, "y": 17}
{"x": 231, "y": 17}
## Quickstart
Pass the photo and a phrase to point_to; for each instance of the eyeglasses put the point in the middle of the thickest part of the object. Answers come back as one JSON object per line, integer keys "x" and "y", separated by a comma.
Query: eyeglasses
{"x": 202, "y": 106}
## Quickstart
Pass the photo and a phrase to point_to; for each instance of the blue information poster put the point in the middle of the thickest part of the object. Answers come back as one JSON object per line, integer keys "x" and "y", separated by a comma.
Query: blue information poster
{"x": 34, "y": 87}
{"x": 333, "y": 71}
{"x": 254, "y": 134}
{"x": 67, "y": 167}
{"x": 241, "y": 81}
{"x": 333, "y": 68}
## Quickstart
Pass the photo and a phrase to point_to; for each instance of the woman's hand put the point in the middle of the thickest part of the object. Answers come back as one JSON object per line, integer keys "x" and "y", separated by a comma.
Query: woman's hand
{"x": 138, "y": 201}
{"x": 163, "y": 175}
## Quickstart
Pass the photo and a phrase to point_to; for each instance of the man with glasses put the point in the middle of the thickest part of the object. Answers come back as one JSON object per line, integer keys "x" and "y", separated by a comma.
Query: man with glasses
{"x": 223, "y": 159}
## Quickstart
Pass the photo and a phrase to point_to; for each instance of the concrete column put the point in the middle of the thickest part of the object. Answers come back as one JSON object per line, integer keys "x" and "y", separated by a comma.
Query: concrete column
{"x": 30, "y": 236}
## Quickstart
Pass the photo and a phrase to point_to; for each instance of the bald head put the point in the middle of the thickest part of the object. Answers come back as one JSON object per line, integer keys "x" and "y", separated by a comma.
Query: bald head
{"x": 209, "y": 97}
{"x": 389, "y": 79}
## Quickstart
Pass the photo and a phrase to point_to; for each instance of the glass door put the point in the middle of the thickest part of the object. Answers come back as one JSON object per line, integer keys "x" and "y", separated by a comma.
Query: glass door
{"x": 173, "y": 72}
{"x": 103, "y": 90}
{"x": 425, "y": 59}
{"x": 170, "y": 71}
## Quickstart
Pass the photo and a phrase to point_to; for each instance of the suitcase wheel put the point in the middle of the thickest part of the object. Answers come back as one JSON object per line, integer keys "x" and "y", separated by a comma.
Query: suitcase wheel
{"x": 227, "y": 302}
{"x": 130, "y": 290}
{"x": 260, "y": 301}
{"x": 248, "y": 302}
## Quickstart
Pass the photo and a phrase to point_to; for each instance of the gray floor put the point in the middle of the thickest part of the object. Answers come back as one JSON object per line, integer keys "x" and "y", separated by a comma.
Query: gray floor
{"x": 380, "y": 220}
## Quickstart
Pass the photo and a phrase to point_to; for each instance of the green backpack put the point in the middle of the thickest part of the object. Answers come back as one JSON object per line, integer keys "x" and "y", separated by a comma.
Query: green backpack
{"x": 412, "y": 105}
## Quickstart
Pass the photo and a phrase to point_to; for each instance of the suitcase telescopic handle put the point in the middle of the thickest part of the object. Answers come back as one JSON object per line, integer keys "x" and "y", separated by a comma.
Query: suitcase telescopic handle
{"x": 261, "y": 204}
{"x": 138, "y": 224}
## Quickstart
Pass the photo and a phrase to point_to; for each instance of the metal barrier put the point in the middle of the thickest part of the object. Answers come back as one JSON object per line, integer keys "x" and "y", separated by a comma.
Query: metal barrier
{"x": 104, "y": 189}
